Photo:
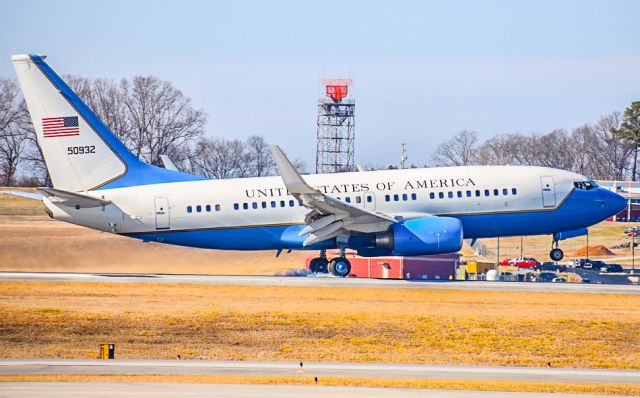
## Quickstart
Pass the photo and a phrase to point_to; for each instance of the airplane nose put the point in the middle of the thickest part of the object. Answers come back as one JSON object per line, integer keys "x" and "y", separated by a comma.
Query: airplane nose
{"x": 614, "y": 202}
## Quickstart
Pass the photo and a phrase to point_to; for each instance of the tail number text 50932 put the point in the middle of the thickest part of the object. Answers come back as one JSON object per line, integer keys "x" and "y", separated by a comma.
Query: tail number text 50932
{"x": 81, "y": 150}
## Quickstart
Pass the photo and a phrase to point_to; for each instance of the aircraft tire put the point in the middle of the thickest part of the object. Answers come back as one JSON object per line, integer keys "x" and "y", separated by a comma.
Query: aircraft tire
{"x": 319, "y": 265}
{"x": 340, "y": 266}
{"x": 556, "y": 254}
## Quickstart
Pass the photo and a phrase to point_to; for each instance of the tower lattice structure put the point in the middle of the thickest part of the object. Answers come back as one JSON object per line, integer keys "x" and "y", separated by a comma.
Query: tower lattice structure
{"x": 336, "y": 128}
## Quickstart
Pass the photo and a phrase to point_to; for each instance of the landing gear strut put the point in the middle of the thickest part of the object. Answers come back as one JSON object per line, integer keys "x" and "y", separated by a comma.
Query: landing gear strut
{"x": 556, "y": 253}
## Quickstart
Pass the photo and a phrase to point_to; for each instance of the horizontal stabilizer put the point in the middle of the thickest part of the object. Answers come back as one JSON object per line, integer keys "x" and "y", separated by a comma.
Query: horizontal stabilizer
{"x": 72, "y": 199}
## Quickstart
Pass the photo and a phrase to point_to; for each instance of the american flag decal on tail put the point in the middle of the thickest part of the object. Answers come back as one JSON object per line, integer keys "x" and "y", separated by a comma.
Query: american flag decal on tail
{"x": 60, "y": 126}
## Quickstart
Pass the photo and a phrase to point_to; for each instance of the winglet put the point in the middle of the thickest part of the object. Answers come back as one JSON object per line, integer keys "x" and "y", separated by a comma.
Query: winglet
{"x": 292, "y": 179}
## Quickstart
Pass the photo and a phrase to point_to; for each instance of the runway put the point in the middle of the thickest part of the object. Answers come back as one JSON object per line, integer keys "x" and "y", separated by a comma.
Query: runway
{"x": 73, "y": 389}
{"x": 323, "y": 281}
{"x": 197, "y": 367}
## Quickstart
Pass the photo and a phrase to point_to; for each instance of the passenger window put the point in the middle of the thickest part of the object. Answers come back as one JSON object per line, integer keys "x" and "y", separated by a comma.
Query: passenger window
{"x": 514, "y": 191}
{"x": 459, "y": 194}
{"x": 189, "y": 209}
{"x": 441, "y": 195}
{"x": 486, "y": 192}
{"x": 414, "y": 196}
{"x": 496, "y": 192}
{"x": 217, "y": 207}
{"x": 369, "y": 198}
{"x": 358, "y": 199}
{"x": 291, "y": 203}
{"x": 505, "y": 191}
{"x": 198, "y": 208}
{"x": 299, "y": 202}
{"x": 404, "y": 196}
{"x": 468, "y": 194}
{"x": 432, "y": 195}
{"x": 245, "y": 205}
{"x": 347, "y": 199}
{"x": 207, "y": 208}
{"x": 264, "y": 205}
{"x": 282, "y": 203}
{"x": 477, "y": 193}
{"x": 236, "y": 206}
{"x": 273, "y": 203}
{"x": 387, "y": 198}
{"x": 450, "y": 194}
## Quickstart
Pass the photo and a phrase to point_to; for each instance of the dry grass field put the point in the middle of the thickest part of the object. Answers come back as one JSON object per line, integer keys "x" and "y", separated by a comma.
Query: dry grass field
{"x": 69, "y": 320}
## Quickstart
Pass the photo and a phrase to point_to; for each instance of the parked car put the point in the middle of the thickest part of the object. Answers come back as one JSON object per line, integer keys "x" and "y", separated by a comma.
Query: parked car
{"x": 505, "y": 263}
{"x": 587, "y": 263}
{"x": 549, "y": 266}
{"x": 558, "y": 280}
{"x": 524, "y": 262}
{"x": 608, "y": 268}
{"x": 597, "y": 264}
{"x": 545, "y": 277}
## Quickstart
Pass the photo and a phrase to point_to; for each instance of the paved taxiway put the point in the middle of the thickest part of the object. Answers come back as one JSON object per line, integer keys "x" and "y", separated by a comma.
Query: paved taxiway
{"x": 72, "y": 389}
{"x": 246, "y": 368}
{"x": 325, "y": 281}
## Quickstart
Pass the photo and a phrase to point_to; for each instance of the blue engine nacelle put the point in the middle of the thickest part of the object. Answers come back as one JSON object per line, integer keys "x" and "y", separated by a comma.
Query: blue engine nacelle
{"x": 428, "y": 235}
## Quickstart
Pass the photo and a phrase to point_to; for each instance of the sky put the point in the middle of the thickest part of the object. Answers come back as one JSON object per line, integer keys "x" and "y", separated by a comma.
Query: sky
{"x": 422, "y": 70}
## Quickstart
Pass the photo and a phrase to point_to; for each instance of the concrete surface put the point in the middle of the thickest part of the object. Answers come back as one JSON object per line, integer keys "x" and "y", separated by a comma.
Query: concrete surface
{"x": 197, "y": 367}
{"x": 320, "y": 281}
{"x": 73, "y": 389}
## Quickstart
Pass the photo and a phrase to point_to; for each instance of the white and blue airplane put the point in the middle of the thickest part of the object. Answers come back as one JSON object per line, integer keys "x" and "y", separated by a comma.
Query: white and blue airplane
{"x": 99, "y": 184}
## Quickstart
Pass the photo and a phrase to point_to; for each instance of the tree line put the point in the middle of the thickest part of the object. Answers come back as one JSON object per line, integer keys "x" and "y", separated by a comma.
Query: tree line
{"x": 149, "y": 115}
{"x": 153, "y": 118}
{"x": 604, "y": 150}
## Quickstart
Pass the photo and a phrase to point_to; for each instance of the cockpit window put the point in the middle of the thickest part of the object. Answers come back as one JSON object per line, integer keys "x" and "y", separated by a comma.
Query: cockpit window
{"x": 585, "y": 185}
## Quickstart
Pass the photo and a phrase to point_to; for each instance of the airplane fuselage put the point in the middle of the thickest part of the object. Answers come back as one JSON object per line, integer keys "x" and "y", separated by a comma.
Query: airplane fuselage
{"x": 259, "y": 213}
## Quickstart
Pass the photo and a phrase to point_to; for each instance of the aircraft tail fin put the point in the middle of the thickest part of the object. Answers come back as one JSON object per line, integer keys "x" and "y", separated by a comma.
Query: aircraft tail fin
{"x": 80, "y": 151}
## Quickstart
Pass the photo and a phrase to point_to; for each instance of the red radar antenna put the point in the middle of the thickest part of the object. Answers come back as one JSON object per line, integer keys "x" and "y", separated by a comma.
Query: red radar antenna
{"x": 337, "y": 89}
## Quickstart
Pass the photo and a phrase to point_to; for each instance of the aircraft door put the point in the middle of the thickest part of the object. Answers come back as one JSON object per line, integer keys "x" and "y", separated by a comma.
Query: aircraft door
{"x": 369, "y": 201}
{"x": 548, "y": 191}
{"x": 162, "y": 213}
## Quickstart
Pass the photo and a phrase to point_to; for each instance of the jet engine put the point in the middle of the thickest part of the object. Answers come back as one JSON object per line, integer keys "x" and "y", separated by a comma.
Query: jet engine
{"x": 427, "y": 235}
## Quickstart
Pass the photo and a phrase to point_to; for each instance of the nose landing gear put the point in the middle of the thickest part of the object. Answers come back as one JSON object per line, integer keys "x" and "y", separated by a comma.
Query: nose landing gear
{"x": 556, "y": 253}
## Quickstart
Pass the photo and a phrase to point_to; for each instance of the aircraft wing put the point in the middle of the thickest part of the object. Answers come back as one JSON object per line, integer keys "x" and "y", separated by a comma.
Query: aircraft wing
{"x": 328, "y": 217}
{"x": 168, "y": 163}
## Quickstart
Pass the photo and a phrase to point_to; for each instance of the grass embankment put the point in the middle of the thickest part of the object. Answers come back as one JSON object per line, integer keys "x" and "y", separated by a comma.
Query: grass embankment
{"x": 445, "y": 384}
{"x": 69, "y": 320}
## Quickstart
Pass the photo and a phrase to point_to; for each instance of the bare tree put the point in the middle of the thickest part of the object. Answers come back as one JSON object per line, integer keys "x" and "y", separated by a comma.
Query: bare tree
{"x": 221, "y": 158}
{"x": 12, "y": 134}
{"x": 161, "y": 118}
{"x": 458, "y": 151}
{"x": 261, "y": 160}
{"x": 501, "y": 149}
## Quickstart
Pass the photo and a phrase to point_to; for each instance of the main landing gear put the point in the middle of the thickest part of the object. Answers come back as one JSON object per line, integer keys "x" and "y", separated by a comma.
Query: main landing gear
{"x": 338, "y": 266}
{"x": 556, "y": 253}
